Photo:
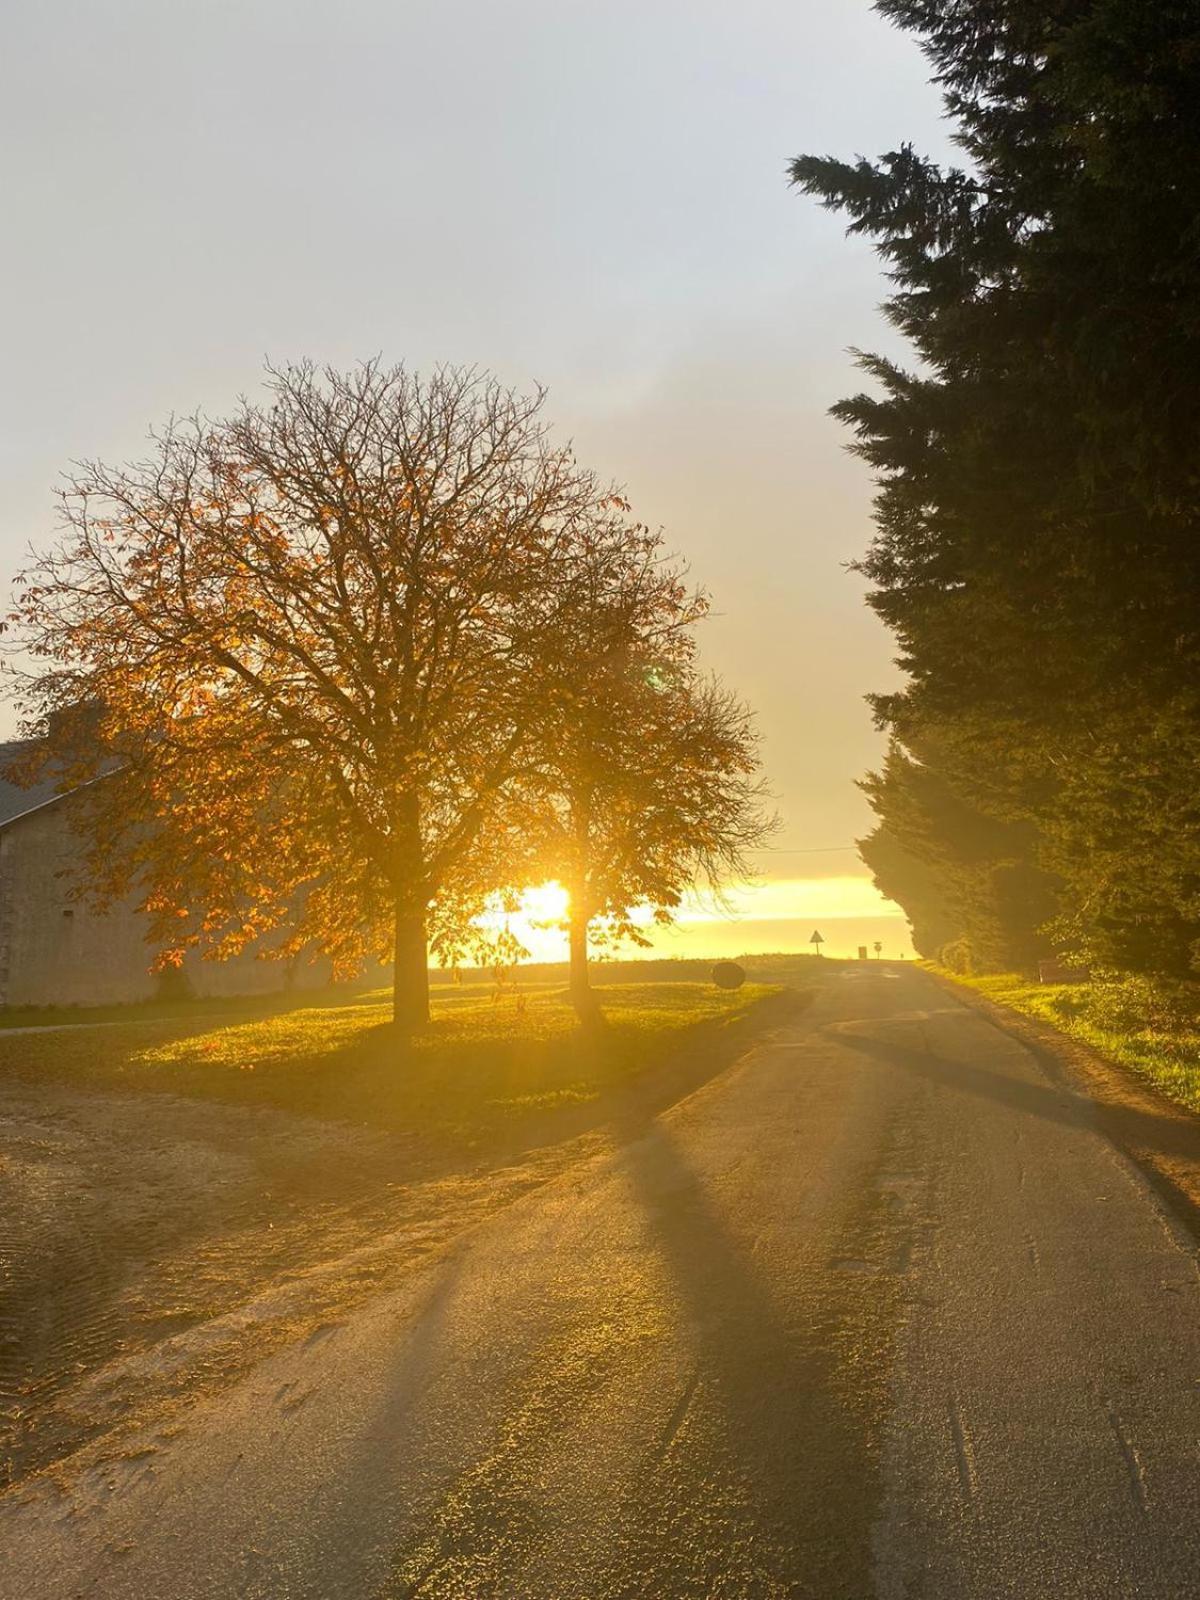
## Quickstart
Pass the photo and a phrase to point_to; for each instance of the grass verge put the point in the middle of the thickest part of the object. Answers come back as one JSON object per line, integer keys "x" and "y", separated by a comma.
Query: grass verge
{"x": 1158, "y": 1042}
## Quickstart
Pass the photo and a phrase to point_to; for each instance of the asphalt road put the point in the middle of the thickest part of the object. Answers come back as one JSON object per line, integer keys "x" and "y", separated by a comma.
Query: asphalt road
{"x": 880, "y": 1311}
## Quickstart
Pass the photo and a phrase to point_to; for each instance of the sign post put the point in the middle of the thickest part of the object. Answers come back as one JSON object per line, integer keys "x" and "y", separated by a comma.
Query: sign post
{"x": 816, "y": 941}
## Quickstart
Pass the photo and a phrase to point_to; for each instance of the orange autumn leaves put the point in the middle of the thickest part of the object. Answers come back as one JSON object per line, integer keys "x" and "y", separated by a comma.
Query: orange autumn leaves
{"x": 350, "y": 660}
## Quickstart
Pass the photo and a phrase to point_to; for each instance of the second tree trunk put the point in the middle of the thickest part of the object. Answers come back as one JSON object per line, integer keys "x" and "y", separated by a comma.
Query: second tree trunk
{"x": 410, "y": 971}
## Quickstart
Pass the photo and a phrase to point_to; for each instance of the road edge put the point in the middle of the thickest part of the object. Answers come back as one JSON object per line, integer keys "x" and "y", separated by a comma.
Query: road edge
{"x": 1123, "y": 1102}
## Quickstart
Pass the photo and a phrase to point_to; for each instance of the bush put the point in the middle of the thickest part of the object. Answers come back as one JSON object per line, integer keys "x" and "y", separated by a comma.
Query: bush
{"x": 172, "y": 983}
{"x": 1139, "y": 1004}
{"x": 958, "y": 956}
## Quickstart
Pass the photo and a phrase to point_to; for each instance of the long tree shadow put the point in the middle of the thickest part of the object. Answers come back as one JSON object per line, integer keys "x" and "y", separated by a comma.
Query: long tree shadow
{"x": 754, "y": 1472}
{"x": 762, "y": 1461}
{"x": 616, "y": 1100}
{"x": 379, "y": 1479}
{"x": 748, "y": 1445}
{"x": 762, "y": 1442}
{"x": 67, "y": 1310}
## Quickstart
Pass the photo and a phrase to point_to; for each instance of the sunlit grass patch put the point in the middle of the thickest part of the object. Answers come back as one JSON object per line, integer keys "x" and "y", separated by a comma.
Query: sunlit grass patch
{"x": 490, "y": 1055}
{"x": 460, "y": 1023}
{"x": 290, "y": 1037}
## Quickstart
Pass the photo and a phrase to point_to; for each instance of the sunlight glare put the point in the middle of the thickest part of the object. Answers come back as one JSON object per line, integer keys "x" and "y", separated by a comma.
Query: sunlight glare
{"x": 776, "y": 914}
{"x": 544, "y": 902}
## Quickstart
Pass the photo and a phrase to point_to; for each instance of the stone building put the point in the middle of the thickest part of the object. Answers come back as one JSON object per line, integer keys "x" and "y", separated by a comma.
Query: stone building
{"x": 56, "y": 951}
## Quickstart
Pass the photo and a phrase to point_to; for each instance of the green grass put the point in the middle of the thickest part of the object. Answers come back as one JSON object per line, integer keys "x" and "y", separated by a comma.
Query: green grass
{"x": 489, "y": 1058}
{"x": 1157, "y": 1043}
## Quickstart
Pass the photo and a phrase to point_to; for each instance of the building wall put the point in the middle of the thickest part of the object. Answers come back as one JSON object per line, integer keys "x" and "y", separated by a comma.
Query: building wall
{"x": 54, "y": 951}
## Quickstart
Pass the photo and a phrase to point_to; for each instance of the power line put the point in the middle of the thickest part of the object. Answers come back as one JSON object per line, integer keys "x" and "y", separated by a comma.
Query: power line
{"x": 819, "y": 850}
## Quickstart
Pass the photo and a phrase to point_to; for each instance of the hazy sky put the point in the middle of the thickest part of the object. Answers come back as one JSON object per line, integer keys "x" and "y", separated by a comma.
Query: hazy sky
{"x": 592, "y": 195}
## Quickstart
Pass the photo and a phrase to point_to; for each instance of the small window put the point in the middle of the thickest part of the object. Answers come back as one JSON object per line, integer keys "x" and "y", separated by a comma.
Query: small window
{"x": 68, "y": 911}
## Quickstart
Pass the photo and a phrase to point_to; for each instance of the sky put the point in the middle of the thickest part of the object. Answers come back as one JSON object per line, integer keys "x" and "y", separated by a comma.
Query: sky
{"x": 591, "y": 195}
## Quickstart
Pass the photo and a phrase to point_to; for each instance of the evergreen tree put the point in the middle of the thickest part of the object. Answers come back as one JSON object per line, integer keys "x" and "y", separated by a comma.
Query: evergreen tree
{"x": 1037, "y": 552}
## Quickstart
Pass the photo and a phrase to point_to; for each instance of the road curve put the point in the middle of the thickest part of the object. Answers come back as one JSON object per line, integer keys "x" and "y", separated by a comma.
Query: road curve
{"x": 879, "y": 1312}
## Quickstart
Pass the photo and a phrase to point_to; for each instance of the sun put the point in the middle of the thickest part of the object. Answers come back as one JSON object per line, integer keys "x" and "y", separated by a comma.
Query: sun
{"x": 545, "y": 902}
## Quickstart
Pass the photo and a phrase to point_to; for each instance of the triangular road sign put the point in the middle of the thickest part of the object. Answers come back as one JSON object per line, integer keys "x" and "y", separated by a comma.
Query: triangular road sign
{"x": 817, "y": 937}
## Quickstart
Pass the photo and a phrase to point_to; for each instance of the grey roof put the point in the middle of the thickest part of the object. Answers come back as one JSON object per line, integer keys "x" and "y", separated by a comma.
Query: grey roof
{"x": 15, "y": 801}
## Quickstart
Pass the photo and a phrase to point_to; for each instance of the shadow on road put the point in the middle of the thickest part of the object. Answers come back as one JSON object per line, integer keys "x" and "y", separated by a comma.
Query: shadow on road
{"x": 1168, "y": 1140}
{"x": 765, "y": 1441}
{"x": 753, "y": 1472}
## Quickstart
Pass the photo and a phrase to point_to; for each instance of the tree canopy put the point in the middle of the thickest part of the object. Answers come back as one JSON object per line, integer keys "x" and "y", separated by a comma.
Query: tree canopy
{"x": 318, "y": 664}
{"x": 644, "y": 780}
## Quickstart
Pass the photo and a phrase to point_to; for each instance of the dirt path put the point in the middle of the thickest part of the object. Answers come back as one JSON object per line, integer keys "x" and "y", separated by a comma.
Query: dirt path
{"x": 152, "y": 1247}
{"x": 125, "y": 1220}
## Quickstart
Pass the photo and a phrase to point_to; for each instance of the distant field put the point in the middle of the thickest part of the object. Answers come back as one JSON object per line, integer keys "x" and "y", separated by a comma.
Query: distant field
{"x": 774, "y": 967}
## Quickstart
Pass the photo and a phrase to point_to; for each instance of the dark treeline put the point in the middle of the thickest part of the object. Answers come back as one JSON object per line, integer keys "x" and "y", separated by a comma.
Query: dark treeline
{"x": 1038, "y": 467}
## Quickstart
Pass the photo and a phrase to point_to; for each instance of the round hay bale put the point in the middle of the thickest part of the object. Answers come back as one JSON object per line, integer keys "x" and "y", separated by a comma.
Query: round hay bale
{"x": 728, "y": 975}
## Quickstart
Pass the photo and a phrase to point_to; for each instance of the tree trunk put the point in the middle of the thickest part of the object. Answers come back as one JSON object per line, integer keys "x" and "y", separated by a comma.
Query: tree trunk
{"x": 410, "y": 971}
{"x": 579, "y": 981}
{"x": 579, "y": 985}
